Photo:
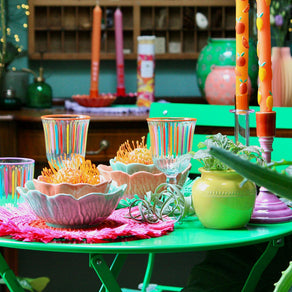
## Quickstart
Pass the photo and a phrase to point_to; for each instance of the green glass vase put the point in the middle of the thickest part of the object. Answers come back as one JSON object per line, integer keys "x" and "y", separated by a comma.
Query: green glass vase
{"x": 222, "y": 52}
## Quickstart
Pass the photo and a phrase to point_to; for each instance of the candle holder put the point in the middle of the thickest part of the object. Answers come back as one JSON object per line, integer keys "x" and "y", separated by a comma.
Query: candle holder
{"x": 102, "y": 100}
{"x": 268, "y": 207}
{"x": 241, "y": 129}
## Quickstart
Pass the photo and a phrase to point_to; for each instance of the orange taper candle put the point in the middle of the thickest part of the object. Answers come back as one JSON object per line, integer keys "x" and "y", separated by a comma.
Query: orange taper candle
{"x": 95, "y": 51}
{"x": 242, "y": 47}
{"x": 265, "y": 97}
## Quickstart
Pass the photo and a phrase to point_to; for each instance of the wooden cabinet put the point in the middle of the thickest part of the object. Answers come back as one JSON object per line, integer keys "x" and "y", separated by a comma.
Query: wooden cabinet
{"x": 61, "y": 30}
{"x": 22, "y": 135}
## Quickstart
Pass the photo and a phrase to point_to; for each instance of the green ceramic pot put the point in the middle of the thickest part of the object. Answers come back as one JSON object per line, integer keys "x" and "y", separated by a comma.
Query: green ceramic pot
{"x": 219, "y": 200}
{"x": 222, "y": 52}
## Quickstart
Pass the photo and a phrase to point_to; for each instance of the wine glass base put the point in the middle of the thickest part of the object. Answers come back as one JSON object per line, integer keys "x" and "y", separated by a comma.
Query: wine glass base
{"x": 270, "y": 209}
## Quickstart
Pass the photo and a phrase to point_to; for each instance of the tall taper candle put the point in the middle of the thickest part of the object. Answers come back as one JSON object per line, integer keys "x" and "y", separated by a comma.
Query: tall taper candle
{"x": 95, "y": 50}
{"x": 265, "y": 97}
{"x": 119, "y": 53}
{"x": 242, "y": 47}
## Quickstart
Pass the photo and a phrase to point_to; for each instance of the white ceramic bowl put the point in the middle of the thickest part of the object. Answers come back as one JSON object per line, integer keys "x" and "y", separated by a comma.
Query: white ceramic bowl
{"x": 63, "y": 210}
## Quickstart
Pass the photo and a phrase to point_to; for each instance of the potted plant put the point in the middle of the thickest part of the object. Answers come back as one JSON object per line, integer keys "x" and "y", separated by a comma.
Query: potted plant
{"x": 268, "y": 177}
{"x": 222, "y": 199}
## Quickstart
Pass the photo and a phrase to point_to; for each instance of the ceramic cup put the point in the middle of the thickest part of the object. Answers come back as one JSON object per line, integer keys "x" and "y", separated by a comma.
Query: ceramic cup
{"x": 14, "y": 172}
{"x": 65, "y": 136}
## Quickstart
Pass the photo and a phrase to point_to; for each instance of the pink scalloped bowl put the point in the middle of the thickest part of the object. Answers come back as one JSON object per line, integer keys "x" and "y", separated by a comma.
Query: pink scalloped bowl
{"x": 102, "y": 100}
{"x": 76, "y": 190}
{"x": 140, "y": 182}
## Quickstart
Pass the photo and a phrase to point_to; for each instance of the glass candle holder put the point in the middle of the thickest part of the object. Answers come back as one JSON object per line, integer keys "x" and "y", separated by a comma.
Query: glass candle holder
{"x": 65, "y": 136}
{"x": 14, "y": 172}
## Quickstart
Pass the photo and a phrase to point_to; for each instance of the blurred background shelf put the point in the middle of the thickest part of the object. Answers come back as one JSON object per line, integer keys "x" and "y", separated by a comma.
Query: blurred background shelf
{"x": 61, "y": 30}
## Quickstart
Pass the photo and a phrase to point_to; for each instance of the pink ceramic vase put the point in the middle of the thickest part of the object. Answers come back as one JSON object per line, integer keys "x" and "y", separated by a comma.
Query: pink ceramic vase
{"x": 286, "y": 76}
{"x": 277, "y": 76}
{"x": 220, "y": 85}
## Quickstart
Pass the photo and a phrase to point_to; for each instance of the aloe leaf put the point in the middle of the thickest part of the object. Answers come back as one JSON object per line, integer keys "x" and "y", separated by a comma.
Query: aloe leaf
{"x": 285, "y": 281}
{"x": 277, "y": 183}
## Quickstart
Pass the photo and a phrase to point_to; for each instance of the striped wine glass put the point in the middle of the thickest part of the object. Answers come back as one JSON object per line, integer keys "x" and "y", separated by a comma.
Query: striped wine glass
{"x": 65, "y": 137}
{"x": 171, "y": 141}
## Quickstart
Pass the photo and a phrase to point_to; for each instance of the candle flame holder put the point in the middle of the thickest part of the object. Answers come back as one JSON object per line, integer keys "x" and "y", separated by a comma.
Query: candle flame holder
{"x": 102, "y": 100}
{"x": 241, "y": 129}
{"x": 268, "y": 207}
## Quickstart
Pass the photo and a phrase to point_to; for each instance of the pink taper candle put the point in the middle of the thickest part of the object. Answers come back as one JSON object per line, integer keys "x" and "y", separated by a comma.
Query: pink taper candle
{"x": 119, "y": 53}
{"x": 95, "y": 51}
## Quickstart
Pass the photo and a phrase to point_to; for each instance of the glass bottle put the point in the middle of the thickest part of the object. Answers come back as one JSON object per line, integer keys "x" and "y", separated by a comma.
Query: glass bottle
{"x": 39, "y": 93}
{"x": 9, "y": 101}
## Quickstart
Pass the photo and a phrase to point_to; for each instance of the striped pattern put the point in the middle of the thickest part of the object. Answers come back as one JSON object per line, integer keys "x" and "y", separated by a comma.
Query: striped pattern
{"x": 171, "y": 136}
{"x": 171, "y": 139}
{"x": 14, "y": 172}
{"x": 65, "y": 135}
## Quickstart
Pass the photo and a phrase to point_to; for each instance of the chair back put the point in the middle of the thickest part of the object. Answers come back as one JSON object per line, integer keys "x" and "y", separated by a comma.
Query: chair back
{"x": 213, "y": 119}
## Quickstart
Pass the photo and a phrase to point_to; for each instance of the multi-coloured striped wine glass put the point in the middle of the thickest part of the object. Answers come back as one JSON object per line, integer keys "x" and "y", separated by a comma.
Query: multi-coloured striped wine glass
{"x": 171, "y": 141}
{"x": 65, "y": 136}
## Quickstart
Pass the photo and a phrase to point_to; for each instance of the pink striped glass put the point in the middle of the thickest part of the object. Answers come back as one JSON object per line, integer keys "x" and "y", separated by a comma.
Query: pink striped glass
{"x": 65, "y": 136}
{"x": 14, "y": 172}
{"x": 171, "y": 141}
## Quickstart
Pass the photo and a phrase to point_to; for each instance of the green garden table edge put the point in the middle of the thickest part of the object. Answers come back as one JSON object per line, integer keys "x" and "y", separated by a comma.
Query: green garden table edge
{"x": 187, "y": 236}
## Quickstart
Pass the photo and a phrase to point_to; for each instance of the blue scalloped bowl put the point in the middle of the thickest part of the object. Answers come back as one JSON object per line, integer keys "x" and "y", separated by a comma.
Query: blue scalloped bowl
{"x": 132, "y": 168}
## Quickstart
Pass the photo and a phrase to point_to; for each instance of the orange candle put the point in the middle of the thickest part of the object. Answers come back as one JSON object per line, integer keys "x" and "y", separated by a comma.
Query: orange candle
{"x": 95, "y": 51}
{"x": 265, "y": 97}
{"x": 242, "y": 47}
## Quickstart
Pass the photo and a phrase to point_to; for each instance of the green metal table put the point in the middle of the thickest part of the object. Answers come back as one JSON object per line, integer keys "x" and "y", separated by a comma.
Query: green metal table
{"x": 188, "y": 236}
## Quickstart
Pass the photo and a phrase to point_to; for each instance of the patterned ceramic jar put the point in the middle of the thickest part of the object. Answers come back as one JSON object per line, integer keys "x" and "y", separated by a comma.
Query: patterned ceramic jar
{"x": 220, "y": 85}
{"x": 222, "y": 52}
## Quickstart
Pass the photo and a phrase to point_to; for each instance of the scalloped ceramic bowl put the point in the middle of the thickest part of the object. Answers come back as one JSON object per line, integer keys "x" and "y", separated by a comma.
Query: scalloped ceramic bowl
{"x": 131, "y": 168}
{"x": 65, "y": 211}
{"x": 76, "y": 190}
{"x": 139, "y": 182}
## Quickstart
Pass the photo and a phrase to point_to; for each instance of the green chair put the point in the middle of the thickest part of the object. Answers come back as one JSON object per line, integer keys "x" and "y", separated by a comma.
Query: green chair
{"x": 212, "y": 119}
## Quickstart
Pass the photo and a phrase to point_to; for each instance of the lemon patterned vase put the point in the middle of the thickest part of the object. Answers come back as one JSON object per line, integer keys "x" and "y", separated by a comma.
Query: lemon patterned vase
{"x": 221, "y": 202}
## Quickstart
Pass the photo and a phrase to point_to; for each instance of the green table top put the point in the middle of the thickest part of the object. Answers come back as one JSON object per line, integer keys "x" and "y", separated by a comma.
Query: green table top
{"x": 189, "y": 235}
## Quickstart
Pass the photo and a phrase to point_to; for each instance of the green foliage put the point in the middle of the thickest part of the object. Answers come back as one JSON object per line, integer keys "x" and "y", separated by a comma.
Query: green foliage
{"x": 210, "y": 162}
{"x": 268, "y": 177}
{"x": 32, "y": 284}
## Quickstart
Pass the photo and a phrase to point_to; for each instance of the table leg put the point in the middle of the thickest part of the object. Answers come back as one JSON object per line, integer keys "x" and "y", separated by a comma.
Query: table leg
{"x": 148, "y": 272}
{"x": 9, "y": 277}
{"x": 261, "y": 264}
{"x": 107, "y": 275}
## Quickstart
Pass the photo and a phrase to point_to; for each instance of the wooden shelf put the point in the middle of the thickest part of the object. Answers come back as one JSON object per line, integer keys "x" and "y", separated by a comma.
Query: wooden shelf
{"x": 61, "y": 30}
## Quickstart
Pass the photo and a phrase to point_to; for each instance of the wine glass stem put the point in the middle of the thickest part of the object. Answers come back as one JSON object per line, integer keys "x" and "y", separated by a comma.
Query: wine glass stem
{"x": 171, "y": 179}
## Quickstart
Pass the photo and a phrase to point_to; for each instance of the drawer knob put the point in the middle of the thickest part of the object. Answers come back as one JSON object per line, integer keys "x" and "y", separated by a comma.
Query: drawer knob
{"x": 103, "y": 145}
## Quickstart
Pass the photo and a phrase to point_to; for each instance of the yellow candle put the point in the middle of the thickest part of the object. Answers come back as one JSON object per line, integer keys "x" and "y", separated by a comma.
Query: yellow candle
{"x": 95, "y": 51}
{"x": 265, "y": 97}
{"x": 242, "y": 47}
